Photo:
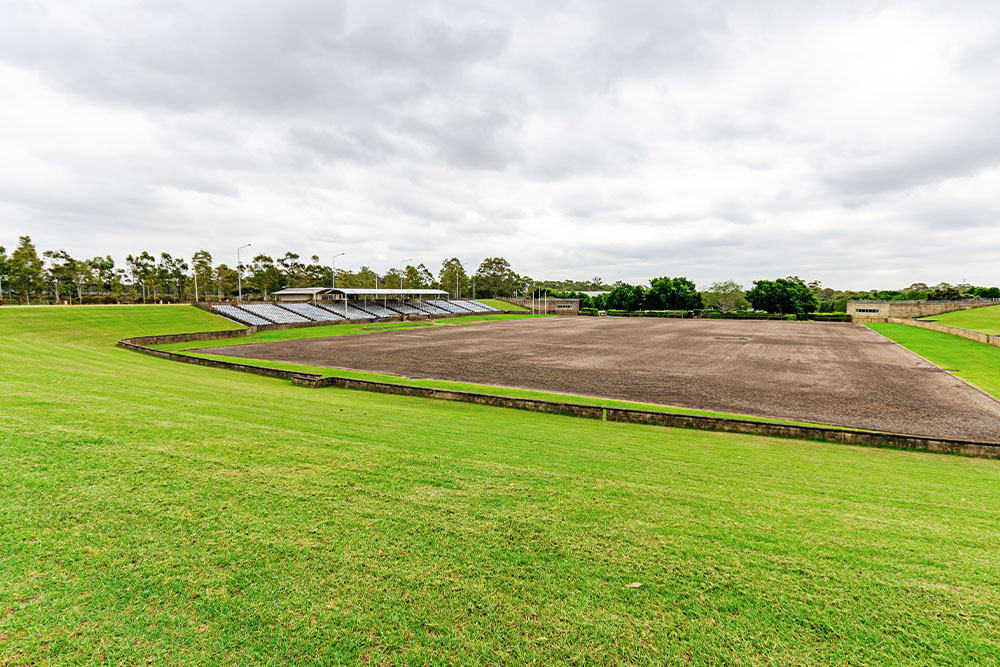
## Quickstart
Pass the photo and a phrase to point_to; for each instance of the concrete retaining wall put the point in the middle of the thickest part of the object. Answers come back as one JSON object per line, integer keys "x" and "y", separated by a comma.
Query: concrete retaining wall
{"x": 631, "y": 416}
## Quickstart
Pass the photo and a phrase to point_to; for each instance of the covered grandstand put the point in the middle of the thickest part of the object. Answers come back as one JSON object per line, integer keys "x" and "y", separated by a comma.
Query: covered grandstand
{"x": 302, "y": 305}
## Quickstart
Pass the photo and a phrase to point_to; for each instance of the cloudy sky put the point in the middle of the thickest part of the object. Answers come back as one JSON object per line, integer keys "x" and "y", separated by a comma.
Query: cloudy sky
{"x": 856, "y": 143}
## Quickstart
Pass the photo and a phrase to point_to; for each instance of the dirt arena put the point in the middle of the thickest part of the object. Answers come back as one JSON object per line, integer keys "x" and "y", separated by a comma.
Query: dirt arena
{"x": 842, "y": 374}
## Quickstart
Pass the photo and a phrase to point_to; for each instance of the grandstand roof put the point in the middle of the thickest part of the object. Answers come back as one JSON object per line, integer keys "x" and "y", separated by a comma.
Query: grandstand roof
{"x": 360, "y": 291}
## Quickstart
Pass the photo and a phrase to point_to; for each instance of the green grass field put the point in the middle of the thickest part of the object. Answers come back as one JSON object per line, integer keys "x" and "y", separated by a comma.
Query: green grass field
{"x": 970, "y": 360}
{"x": 162, "y": 513}
{"x": 504, "y": 305}
{"x": 985, "y": 320}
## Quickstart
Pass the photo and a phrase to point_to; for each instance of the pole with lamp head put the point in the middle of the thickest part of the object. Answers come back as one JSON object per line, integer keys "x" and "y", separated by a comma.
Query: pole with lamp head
{"x": 239, "y": 271}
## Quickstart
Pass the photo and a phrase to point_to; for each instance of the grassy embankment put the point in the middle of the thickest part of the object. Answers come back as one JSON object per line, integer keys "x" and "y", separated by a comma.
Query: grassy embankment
{"x": 504, "y": 305}
{"x": 984, "y": 320}
{"x": 974, "y": 362}
{"x": 164, "y": 513}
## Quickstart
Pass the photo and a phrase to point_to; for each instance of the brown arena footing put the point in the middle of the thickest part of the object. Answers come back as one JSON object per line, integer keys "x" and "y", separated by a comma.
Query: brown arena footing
{"x": 839, "y": 374}
{"x": 763, "y": 428}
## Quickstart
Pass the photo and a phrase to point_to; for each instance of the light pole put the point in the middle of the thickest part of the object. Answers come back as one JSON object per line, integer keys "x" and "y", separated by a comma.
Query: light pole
{"x": 239, "y": 271}
{"x": 401, "y": 272}
{"x": 194, "y": 272}
{"x": 1, "y": 289}
{"x": 333, "y": 283}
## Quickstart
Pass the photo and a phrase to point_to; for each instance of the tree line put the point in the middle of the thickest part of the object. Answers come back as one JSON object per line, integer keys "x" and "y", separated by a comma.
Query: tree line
{"x": 54, "y": 276}
{"x": 785, "y": 296}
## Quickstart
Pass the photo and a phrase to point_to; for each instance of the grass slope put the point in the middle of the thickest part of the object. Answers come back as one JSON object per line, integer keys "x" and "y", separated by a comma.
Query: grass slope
{"x": 985, "y": 320}
{"x": 504, "y": 305}
{"x": 163, "y": 513}
{"x": 974, "y": 362}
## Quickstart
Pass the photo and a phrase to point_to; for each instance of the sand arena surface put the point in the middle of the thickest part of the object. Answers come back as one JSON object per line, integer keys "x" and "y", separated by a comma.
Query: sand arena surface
{"x": 831, "y": 373}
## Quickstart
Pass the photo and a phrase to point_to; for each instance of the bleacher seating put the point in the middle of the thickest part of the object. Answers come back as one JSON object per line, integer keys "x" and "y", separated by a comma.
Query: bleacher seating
{"x": 234, "y": 313}
{"x": 474, "y": 306}
{"x": 346, "y": 311}
{"x": 310, "y": 312}
{"x": 487, "y": 308}
{"x": 375, "y": 308}
{"x": 450, "y": 306}
{"x": 274, "y": 313}
{"x": 403, "y": 307}
{"x": 427, "y": 307}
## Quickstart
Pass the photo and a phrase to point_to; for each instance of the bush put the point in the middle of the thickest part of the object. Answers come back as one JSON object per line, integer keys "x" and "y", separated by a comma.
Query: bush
{"x": 588, "y": 311}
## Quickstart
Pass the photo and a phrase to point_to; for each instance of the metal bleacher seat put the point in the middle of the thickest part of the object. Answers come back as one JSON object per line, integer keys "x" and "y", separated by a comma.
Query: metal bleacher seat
{"x": 403, "y": 307}
{"x": 310, "y": 312}
{"x": 241, "y": 316}
{"x": 428, "y": 307}
{"x": 273, "y": 313}
{"x": 346, "y": 311}
{"x": 485, "y": 307}
{"x": 449, "y": 306}
{"x": 375, "y": 308}
{"x": 474, "y": 306}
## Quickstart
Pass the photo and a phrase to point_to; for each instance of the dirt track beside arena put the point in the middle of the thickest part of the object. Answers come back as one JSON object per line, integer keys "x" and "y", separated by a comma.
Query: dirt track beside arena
{"x": 831, "y": 373}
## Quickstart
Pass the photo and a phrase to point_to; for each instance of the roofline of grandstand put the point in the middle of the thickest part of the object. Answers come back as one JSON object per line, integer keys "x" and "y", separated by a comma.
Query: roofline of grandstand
{"x": 359, "y": 291}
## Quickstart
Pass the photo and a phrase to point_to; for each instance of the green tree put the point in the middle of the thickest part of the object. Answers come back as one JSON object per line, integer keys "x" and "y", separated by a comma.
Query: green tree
{"x": 201, "y": 265}
{"x": 417, "y": 277}
{"x": 784, "y": 295}
{"x": 453, "y": 278}
{"x": 226, "y": 283}
{"x": 494, "y": 277}
{"x": 625, "y": 297}
{"x": 73, "y": 274}
{"x": 672, "y": 294}
{"x": 4, "y": 271}
{"x": 26, "y": 268}
{"x": 725, "y": 296}
{"x": 264, "y": 278}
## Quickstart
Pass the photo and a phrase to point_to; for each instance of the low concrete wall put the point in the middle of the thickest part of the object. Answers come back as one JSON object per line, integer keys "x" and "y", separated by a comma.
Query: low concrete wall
{"x": 977, "y": 336}
{"x": 648, "y": 417}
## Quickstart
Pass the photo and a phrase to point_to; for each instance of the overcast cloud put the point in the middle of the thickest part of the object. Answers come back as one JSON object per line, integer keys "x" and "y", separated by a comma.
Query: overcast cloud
{"x": 857, "y": 143}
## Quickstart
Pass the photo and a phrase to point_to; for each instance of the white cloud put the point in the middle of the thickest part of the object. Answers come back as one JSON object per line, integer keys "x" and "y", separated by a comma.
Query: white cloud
{"x": 837, "y": 141}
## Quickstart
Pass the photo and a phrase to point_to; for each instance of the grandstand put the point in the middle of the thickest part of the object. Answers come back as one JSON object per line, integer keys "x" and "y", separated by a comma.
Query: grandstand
{"x": 320, "y": 304}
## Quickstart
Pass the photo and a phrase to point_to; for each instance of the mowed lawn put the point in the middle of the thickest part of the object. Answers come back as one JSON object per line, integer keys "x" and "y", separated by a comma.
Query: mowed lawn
{"x": 162, "y": 513}
{"x": 970, "y": 360}
{"x": 985, "y": 319}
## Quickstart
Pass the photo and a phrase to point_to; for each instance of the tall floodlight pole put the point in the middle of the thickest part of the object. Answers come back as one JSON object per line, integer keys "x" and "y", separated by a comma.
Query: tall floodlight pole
{"x": 401, "y": 271}
{"x": 239, "y": 271}
{"x": 194, "y": 272}
{"x": 333, "y": 283}
{"x": 1, "y": 290}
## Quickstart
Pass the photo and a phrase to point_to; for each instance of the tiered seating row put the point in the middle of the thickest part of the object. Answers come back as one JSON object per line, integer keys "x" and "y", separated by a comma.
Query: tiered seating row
{"x": 274, "y": 313}
{"x": 311, "y": 312}
{"x": 234, "y": 313}
{"x": 450, "y": 306}
{"x": 260, "y": 314}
